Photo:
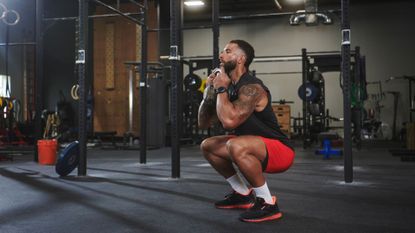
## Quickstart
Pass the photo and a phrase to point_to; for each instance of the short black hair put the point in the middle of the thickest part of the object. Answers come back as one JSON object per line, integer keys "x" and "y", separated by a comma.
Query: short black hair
{"x": 247, "y": 48}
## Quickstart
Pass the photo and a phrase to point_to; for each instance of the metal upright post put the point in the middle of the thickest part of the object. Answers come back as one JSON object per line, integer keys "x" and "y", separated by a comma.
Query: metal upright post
{"x": 305, "y": 108}
{"x": 357, "y": 109}
{"x": 39, "y": 75}
{"x": 345, "y": 69}
{"x": 131, "y": 79}
{"x": 143, "y": 87}
{"x": 176, "y": 82}
{"x": 215, "y": 29}
{"x": 410, "y": 80}
{"x": 6, "y": 60}
{"x": 81, "y": 65}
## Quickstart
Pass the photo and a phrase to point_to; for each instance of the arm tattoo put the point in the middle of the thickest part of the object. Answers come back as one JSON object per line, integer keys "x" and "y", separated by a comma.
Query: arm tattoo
{"x": 207, "y": 108}
{"x": 248, "y": 97}
{"x": 249, "y": 90}
{"x": 209, "y": 94}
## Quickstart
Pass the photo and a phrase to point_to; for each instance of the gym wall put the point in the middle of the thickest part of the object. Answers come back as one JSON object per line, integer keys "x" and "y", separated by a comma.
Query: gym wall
{"x": 382, "y": 30}
{"x": 111, "y": 90}
{"x": 21, "y": 32}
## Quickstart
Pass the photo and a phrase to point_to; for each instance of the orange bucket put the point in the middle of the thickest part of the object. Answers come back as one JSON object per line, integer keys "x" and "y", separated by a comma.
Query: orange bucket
{"x": 47, "y": 151}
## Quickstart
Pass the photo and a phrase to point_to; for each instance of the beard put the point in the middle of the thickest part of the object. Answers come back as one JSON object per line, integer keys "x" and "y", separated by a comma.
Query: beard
{"x": 229, "y": 66}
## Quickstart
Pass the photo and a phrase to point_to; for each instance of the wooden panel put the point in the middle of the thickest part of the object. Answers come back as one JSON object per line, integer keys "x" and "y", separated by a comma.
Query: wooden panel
{"x": 109, "y": 56}
{"x": 152, "y": 45}
{"x": 111, "y": 104}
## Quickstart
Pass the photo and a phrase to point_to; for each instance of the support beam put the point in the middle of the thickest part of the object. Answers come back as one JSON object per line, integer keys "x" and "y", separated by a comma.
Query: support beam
{"x": 176, "y": 12}
{"x": 279, "y": 73}
{"x": 81, "y": 67}
{"x": 345, "y": 69}
{"x": 278, "y": 59}
{"x": 265, "y": 15}
{"x": 91, "y": 16}
{"x": 215, "y": 29}
{"x": 17, "y": 44}
{"x": 143, "y": 90}
{"x": 6, "y": 59}
{"x": 39, "y": 75}
{"x": 411, "y": 108}
{"x": 305, "y": 103}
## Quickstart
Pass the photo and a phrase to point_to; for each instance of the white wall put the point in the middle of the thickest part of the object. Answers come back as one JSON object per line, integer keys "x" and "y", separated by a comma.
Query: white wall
{"x": 383, "y": 31}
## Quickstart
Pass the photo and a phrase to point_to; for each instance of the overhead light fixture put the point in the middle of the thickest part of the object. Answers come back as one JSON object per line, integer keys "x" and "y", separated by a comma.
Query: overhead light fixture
{"x": 193, "y": 3}
{"x": 295, "y": 2}
{"x": 310, "y": 16}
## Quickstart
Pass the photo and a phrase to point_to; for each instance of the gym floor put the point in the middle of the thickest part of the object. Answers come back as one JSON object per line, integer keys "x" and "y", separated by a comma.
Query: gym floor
{"x": 121, "y": 195}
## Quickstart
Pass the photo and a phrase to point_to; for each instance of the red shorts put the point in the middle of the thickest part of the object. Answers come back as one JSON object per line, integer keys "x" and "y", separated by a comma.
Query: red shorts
{"x": 280, "y": 156}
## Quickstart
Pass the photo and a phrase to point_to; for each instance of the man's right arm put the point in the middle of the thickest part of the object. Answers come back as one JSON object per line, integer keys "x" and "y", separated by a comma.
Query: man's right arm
{"x": 207, "y": 110}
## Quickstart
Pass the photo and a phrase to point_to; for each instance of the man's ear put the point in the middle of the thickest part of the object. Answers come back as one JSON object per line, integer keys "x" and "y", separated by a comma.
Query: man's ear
{"x": 242, "y": 59}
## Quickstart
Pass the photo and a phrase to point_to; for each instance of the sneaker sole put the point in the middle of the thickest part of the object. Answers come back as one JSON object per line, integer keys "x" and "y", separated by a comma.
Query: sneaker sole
{"x": 244, "y": 206}
{"x": 272, "y": 217}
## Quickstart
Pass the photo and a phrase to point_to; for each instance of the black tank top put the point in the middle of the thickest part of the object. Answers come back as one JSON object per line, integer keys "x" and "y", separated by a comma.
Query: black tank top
{"x": 262, "y": 123}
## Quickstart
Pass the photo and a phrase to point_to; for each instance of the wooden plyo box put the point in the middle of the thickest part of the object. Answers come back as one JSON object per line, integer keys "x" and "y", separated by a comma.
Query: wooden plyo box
{"x": 283, "y": 114}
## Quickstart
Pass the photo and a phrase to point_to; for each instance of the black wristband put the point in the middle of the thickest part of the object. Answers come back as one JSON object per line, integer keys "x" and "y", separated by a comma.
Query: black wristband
{"x": 221, "y": 90}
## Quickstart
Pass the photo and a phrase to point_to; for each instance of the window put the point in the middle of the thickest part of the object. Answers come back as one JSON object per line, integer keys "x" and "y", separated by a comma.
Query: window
{"x": 4, "y": 86}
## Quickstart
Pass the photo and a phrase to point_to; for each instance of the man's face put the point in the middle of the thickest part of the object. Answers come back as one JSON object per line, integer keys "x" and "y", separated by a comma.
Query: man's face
{"x": 229, "y": 57}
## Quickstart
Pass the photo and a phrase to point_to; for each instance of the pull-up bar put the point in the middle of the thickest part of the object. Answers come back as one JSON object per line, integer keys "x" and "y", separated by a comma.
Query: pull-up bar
{"x": 119, "y": 12}
{"x": 91, "y": 17}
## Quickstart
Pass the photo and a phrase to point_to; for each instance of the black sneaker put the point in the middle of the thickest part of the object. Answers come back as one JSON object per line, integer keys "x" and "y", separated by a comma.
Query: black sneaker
{"x": 261, "y": 211}
{"x": 236, "y": 200}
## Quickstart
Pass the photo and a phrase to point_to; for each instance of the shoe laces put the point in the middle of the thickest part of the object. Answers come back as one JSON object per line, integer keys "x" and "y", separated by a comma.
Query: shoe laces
{"x": 230, "y": 195}
{"x": 259, "y": 204}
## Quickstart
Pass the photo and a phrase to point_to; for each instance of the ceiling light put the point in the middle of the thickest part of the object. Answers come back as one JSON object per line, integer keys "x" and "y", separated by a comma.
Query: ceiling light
{"x": 295, "y": 1}
{"x": 194, "y": 3}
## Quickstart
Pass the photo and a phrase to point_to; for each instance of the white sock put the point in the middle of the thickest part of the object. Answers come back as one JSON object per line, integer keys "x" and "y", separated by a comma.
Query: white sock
{"x": 238, "y": 184}
{"x": 264, "y": 192}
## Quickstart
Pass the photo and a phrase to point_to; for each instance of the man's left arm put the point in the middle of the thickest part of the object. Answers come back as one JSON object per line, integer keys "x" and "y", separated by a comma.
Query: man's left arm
{"x": 232, "y": 114}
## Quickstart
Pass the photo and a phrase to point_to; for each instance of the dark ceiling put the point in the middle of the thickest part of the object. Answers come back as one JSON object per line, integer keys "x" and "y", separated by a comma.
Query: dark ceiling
{"x": 262, "y": 6}
{"x": 250, "y": 7}
{"x": 244, "y": 8}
